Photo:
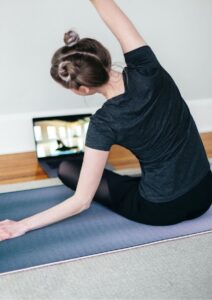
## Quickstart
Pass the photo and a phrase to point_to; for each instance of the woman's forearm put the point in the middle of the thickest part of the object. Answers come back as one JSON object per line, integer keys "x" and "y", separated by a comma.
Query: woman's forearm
{"x": 67, "y": 208}
{"x": 108, "y": 11}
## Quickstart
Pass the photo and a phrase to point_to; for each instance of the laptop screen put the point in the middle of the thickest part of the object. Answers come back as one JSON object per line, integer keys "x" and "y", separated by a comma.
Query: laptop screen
{"x": 60, "y": 135}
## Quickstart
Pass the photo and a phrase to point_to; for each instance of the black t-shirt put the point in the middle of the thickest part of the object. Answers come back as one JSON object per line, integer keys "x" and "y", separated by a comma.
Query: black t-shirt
{"x": 152, "y": 120}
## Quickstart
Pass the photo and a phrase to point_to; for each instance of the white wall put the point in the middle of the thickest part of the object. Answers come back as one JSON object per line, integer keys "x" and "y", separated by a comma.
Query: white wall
{"x": 179, "y": 31}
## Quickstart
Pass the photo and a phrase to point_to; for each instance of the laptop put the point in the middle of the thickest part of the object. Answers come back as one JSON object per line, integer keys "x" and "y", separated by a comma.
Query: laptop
{"x": 59, "y": 138}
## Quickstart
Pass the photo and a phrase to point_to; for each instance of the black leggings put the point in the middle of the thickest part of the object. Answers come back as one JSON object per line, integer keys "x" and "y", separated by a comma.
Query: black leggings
{"x": 120, "y": 194}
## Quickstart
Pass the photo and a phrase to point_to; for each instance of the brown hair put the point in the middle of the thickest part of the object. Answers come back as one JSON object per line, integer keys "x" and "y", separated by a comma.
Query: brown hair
{"x": 81, "y": 62}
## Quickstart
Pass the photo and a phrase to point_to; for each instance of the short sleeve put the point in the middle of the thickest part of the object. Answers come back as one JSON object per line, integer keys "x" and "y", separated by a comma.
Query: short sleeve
{"x": 99, "y": 135}
{"x": 142, "y": 56}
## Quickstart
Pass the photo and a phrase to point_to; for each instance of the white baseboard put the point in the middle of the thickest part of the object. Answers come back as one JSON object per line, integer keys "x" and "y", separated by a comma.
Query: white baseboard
{"x": 16, "y": 132}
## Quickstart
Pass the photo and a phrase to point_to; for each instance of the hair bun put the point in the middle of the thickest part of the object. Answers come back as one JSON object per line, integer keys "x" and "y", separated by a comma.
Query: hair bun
{"x": 71, "y": 38}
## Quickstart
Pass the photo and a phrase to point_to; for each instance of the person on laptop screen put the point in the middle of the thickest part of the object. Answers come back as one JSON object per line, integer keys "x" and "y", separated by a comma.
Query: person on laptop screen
{"x": 62, "y": 147}
{"x": 144, "y": 112}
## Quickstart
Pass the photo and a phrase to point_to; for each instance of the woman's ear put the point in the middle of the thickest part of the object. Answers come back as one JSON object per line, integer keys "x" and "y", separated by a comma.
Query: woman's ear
{"x": 84, "y": 90}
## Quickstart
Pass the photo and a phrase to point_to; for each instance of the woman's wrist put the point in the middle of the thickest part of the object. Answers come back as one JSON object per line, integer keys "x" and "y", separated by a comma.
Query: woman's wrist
{"x": 25, "y": 225}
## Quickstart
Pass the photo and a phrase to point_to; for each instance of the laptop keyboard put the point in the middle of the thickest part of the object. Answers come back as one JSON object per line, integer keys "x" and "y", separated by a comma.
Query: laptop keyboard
{"x": 55, "y": 163}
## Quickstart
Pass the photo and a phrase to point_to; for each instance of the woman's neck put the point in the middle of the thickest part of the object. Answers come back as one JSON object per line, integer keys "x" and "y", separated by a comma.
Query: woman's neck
{"x": 114, "y": 87}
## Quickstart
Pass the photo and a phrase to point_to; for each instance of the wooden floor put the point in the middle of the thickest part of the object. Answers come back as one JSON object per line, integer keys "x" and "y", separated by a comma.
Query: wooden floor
{"x": 24, "y": 166}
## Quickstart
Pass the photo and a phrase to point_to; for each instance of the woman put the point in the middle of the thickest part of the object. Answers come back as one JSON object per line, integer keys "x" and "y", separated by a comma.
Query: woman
{"x": 145, "y": 113}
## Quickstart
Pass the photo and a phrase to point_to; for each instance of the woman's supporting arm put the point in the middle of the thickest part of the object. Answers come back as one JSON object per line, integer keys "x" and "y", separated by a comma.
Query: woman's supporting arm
{"x": 89, "y": 179}
{"x": 90, "y": 175}
{"x": 120, "y": 25}
{"x": 11, "y": 229}
{"x": 63, "y": 210}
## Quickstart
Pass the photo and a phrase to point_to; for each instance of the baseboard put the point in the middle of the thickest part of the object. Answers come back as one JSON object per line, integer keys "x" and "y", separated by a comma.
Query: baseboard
{"x": 16, "y": 133}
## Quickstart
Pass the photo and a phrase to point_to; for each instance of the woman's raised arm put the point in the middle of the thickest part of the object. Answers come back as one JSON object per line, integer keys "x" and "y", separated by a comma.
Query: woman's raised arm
{"x": 119, "y": 24}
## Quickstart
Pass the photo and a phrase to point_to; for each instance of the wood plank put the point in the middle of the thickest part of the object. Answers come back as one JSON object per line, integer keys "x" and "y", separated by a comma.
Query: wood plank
{"x": 207, "y": 141}
{"x": 20, "y": 167}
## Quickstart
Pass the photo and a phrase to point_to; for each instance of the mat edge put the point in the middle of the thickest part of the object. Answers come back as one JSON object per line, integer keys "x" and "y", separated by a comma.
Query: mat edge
{"x": 105, "y": 253}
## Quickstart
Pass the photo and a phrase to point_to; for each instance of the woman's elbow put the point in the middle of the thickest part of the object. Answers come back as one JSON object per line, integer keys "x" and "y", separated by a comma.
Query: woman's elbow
{"x": 86, "y": 206}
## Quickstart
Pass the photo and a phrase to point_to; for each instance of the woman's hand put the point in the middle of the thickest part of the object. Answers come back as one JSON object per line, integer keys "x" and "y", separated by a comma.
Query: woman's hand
{"x": 10, "y": 229}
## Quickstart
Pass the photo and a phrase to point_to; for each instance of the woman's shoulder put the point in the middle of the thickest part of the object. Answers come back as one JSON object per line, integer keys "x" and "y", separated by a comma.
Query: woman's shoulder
{"x": 101, "y": 114}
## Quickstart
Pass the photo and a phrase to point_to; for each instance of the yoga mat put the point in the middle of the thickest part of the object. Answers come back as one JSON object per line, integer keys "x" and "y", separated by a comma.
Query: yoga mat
{"x": 92, "y": 232}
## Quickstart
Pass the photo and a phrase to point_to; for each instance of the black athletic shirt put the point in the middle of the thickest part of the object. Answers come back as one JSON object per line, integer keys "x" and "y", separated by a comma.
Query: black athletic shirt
{"x": 153, "y": 121}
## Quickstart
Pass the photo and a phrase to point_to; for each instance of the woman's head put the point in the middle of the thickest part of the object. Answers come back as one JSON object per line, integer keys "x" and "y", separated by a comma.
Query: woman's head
{"x": 81, "y": 65}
